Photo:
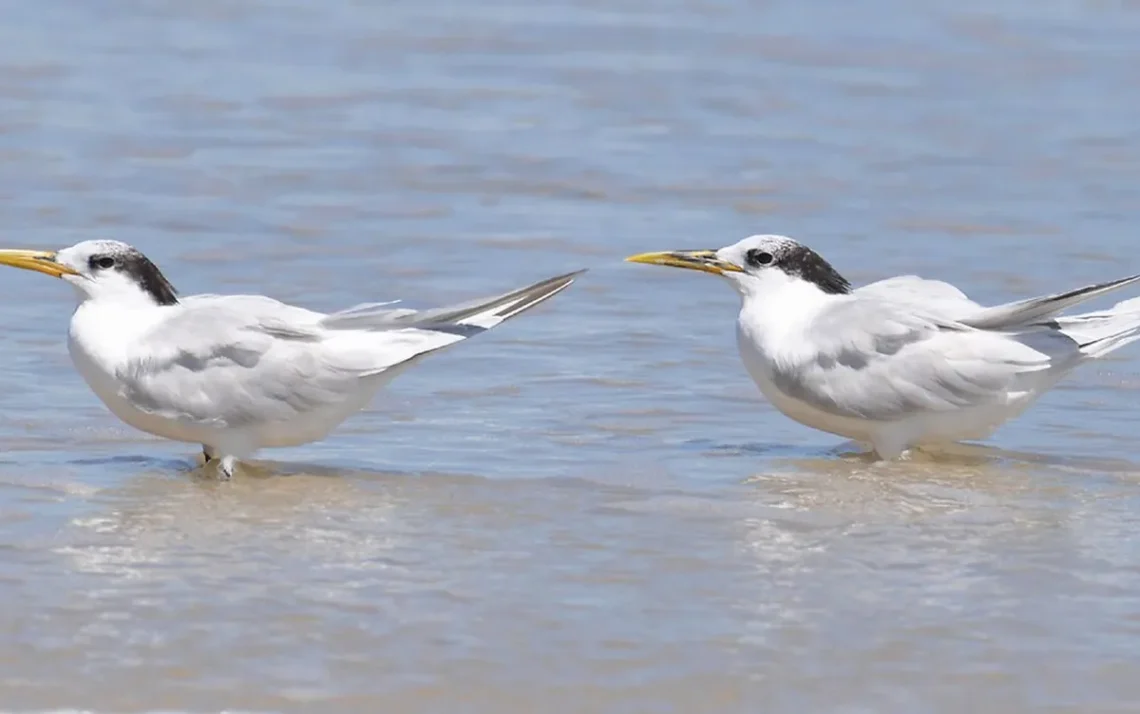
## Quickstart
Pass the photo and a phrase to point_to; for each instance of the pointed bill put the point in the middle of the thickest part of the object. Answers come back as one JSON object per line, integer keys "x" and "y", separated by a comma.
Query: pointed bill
{"x": 703, "y": 260}
{"x": 41, "y": 261}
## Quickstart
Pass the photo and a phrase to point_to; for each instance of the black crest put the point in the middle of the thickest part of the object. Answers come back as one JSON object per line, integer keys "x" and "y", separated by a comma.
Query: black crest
{"x": 153, "y": 282}
{"x": 130, "y": 262}
{"x": 810, "y": 266}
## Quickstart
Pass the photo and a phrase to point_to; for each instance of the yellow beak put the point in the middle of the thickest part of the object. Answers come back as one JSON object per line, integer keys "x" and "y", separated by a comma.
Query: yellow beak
{"x": 42, "y": 261}
{"x": 703, "y": 260}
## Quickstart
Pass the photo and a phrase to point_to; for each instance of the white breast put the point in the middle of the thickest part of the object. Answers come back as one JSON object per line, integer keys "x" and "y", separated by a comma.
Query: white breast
{"x": 760, "y": 368}
{"x": 98, "y": 342}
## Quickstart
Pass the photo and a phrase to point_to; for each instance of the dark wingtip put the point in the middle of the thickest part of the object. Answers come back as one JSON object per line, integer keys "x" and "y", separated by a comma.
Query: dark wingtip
{"x": 571, "y": 276}
{"x": 538, "y": 293}
{"x": 557, "y": 283}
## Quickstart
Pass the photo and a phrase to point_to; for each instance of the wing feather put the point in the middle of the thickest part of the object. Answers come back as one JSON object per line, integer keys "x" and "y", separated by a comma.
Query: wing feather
{"x": 239, "y": 360}
{"x": 945, "y": 300}
{"x": 465, "y": 318}
{"x": 1024, "y": 312}
{"x": 871, "y": 359}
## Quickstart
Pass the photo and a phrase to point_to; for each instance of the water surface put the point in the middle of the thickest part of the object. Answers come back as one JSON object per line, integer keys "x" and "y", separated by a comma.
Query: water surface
{"x": 591, "y": 508}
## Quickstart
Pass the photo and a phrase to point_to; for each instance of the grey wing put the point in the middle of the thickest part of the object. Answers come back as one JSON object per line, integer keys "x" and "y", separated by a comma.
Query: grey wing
{"x": 229, "y": 362}
{"x": 946, "y": 301}
{"x": 877, "y": 360}
{"x": 465, "y": 318}
{"x": 1034, "y": 310}
{"x": 913, "y": 287}
{"x": 935, "y": 297}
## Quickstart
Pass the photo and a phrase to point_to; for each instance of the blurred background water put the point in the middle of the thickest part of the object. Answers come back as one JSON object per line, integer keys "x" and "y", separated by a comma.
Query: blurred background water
{"x": 590, "y": 509}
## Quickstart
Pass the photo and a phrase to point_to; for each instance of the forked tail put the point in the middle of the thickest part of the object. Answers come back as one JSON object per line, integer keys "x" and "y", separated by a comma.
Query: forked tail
{"x": 1099, "y": 333}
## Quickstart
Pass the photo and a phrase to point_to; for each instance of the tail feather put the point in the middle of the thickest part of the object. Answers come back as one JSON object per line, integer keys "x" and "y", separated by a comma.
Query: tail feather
{"x": 1099, "y": 333}
{"x": 465, "y": 318}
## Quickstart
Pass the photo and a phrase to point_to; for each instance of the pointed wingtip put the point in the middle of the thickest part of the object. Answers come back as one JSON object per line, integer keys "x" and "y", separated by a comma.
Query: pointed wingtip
{"x": 574, "y": 275}
{"x": 559, "y": 282}
{"x": 526, "y": 298}
{"x": 1022, "y": 312}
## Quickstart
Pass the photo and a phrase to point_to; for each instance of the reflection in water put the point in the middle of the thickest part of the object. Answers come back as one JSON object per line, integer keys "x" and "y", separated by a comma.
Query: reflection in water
{"x": 145, "y": 526}
{"x": 895, "y": 572}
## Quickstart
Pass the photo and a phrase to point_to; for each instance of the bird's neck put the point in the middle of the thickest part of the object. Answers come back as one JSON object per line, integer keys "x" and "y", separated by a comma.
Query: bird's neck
{"x": 117, "y": 292}
{"x": 776, "y": 318}
{"x": 106, "y": 329}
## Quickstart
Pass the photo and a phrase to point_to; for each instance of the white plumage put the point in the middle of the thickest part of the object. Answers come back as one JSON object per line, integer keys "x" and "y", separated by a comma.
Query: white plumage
{"x": 237, "y": 373}
{"x": 905, "y": 361}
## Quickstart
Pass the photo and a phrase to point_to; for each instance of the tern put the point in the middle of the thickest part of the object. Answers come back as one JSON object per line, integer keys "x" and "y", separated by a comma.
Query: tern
{"x": 236, "y": 373}
{"x": 904, "y": 362}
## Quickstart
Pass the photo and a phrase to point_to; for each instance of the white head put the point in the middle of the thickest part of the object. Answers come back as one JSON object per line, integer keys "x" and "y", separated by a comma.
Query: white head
{"x": 100, "y": 270}
{"x": 758, "y": 265}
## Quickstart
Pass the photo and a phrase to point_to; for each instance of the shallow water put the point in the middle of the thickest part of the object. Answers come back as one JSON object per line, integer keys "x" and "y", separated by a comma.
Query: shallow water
{"x": 591, "y": 508}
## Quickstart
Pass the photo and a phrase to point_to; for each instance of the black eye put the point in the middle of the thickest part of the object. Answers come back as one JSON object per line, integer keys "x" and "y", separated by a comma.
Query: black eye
{"x": 103, "y": 261}
{"x": 758, "y": 257}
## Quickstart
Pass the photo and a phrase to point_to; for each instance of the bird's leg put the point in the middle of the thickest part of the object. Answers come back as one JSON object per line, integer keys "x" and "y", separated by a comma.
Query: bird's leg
{"x": 226, "y": 467}
{"x": 889, "y": 447}
{"x": 225, "y": 464}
